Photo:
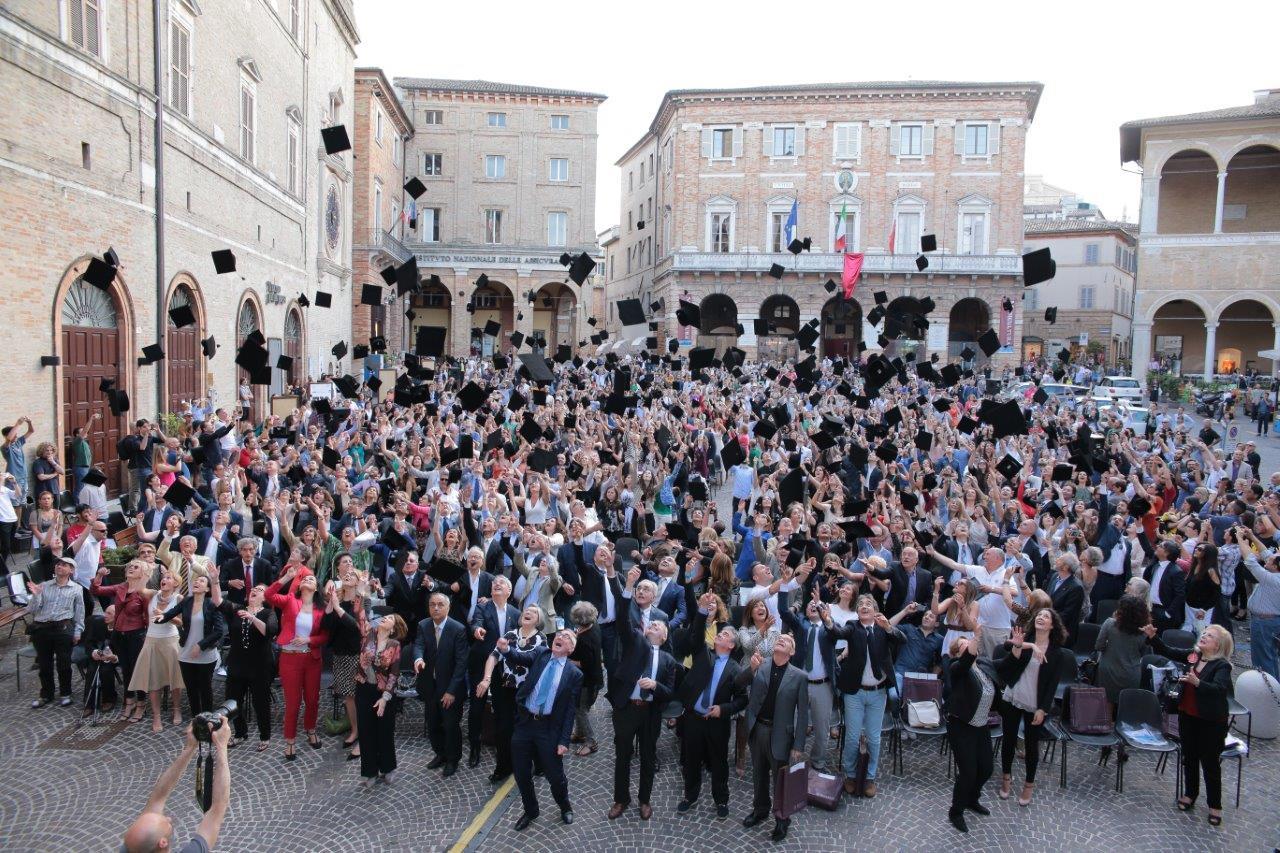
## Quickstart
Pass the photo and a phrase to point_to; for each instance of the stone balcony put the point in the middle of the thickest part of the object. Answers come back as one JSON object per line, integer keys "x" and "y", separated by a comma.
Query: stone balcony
{"x": 377, "y": 240}
{"x": 831, "y": 263}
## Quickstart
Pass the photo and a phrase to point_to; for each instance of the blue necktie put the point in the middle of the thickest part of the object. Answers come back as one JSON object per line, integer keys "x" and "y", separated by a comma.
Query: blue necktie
{"x": 545, "y": 686}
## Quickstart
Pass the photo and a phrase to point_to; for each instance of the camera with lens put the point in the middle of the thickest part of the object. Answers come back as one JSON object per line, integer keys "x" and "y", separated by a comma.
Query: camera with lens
{"x": 205, "y": 724}
{"x": 1170, "y": 692}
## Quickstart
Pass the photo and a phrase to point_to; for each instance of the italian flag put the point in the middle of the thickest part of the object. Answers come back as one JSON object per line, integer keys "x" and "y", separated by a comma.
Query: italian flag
{"x": 840, "y": 236}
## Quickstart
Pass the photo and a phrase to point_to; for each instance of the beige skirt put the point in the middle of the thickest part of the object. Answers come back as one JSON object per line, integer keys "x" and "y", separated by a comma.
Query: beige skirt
{"x": 157, "y": 666}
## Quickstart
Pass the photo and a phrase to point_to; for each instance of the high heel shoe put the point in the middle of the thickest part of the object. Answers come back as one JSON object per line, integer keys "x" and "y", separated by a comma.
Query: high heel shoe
{"x": 289, "y": 754}
{"x": 1028, "y": 789}
{"x": 347, "y": 744}
{"x": 313, "y": 740}
{"x": 1006, "y": 787}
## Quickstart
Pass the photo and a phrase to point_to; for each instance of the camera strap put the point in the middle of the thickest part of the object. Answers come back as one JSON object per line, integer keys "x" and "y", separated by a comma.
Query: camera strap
{"x": 204, "y": 777}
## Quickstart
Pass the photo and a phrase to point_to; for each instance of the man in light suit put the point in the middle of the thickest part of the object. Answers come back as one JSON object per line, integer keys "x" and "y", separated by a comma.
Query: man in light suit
{"x": 777, "y": 719}
{"x": 186, "y": 564}
{"x": 539, "y": 581}
{"x": 441, "y": 664}
{"x": 545, "y": 706}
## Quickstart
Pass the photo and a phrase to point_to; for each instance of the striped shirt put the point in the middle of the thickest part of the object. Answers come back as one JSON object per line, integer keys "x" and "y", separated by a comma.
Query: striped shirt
{"x": 58, "y": 602}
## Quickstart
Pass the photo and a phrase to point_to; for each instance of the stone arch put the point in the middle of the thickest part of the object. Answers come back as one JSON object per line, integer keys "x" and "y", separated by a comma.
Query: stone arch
{"x": 719, "y": 315}
{"x": 782, "y": 313}
{"x": 250, "y": 317}
{"x": 77, "y": 378}
{"x": 555, "y": 308}
{"x": 1251, "y": 194}
{"x": 1187, "y": 296}
{"x": 967, "y": 320}
{"x": 1188, "y": 192}
{"x": 841, "y": 327}
{"x": 1178, "y": 336}
{"x": 1243, "y": 330}
{"x": 494, "y": 301}
{"x": 294, "y": 343}
{"x": 1201, "y": 147}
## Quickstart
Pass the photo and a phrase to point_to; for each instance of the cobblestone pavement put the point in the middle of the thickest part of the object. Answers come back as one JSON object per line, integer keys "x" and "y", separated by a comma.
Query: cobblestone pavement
{"x": 62, "y": 790}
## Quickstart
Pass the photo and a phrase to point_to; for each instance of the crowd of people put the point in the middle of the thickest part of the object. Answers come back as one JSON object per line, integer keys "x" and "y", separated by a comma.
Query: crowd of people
{"x": 760, "y": 557}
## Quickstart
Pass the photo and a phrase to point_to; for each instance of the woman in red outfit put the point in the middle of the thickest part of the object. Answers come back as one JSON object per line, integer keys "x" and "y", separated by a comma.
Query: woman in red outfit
{"x": 130, "y": 600}
{"x": 302, "y": 637}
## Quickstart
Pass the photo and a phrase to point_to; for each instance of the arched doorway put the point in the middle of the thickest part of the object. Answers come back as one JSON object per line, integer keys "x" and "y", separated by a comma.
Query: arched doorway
{"x": 969, "y": 318}
{"x": 433, "y": 307}
{"x": 95, "y": 346}
{"x": 719, "y": 322}
{"x": 841, "y": 327}
{"x": 1188, "y": 193}
{"x": 1178, "y": 336}
{"x": 782, "y": 317}
{"x": 293, "y": 347}
{"x": 184, "y": 360}
{"x": 1245, "y": 327}
{"x": 492, "y": 302}
{"x": 900, "y": 327}
{"x": 1253, "y": 185}
{"x": 248, "y": 321}
{"x": 554, "y": 307}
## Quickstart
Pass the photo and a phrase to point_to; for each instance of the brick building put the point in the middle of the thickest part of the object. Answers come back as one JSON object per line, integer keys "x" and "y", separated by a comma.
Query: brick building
{"x": 382, "y": 128}
{"x": 510, "y": 175}
{"x": 706, "y": 194}
{"x": 235, "y": 161}
{"x": 1209, "y": 238}
{"x": 1093, "y": 290}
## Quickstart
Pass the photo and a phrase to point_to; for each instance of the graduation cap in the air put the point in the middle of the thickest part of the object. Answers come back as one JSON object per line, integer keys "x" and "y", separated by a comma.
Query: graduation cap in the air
{"x": 492, "y": 328}
{"x": 323, "y": 299}
{"x": 224, "y": 261}
{"x": 807, "y": 336}
{"x": 1007, "y": 418}
{"x": 688, "y": 314}
{"x": 791, "y": 488}
{"x": 406, "y": 277}
{"x": 796, "y": 246}
{"x": 118, "y": 400}
{"x": 429, "y": 340}
{"x": 339, "y": 349}
{"x": 100, "y": 274}
{"x": 251, "y": 355}
{"x": 179, "y": 494}
{"x": 1064, "y": 354}
{"x": 388, "y": 274}
{"x": 631, "y": 312}
{"x": 731, "y": 454}
{"x": 209, "y": 347}
{"x": 1040, "y": 397}
{"x": 1009, "y": 467}
{"x": 830, "y": 286}
{"x": 581, "y": 267}
{"x": 701, "y": 357}
{"x": 967, "y": 425}
{"x": 1051, "y": 315}
{"x": 928, "y": 242}
{"x": 1038, "y": 266}
{"x": 348, "y": 385}
{"x": 922, "y": 263}
{"x": 182, "y": 316}
{"x": 1062, "y": 473}
{"x": 415, "y": 188}
{"x": 472, "y": 396}
{"x": 335, "y": 139}
{"x": 360, "y": 351}
{"x": 370, "y": 294}
{"x": 989, "y": 342}
{"x": 776, "y": 270}
{"x": 284, "y": 362}
{"x": 303, "y": 302}
{"x": 537, "y": 367}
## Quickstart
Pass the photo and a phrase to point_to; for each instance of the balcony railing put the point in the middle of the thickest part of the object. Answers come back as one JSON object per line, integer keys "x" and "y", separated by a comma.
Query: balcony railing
{"x": 831, "y": 263}
{"x": 377, "y": 240}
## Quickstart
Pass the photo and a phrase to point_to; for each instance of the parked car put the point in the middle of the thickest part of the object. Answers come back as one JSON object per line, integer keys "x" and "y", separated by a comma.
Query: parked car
{"x": 1119, "y": 388}
{"x": 1057, "y": 389}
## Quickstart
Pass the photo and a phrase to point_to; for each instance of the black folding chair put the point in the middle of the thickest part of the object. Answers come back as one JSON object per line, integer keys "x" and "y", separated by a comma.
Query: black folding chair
{"x": 1137, "y": 709}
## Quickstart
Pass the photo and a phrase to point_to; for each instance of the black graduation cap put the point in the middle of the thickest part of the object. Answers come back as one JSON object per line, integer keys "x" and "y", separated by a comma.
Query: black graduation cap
{"x": 1139, "y": 506}
{"x": 537, "y": 367}
{"x": 303, "y": 302}
{"x": 182, "y": 316}
{"x": 335, "y": 139}
{"x": 1007, "y": 418}
{"x": 1007, "y": 304}
{"x": 430, "y": 340}
{"x": 564, "y": 353}
{"x": 924, "y": 440}
{"x": 1040, "y": 397}
{"x": 179, "y": 494}
{"x": 824, "y": 440}
{"x": 806, "y": 337}
{"x": 151, "y": 354}
{"x": 581, "y": 268}
{"x": 517, "y": 339}
{"x": 565, "y": 259}
{"x": 284, "y": 362}
{"x": 251, "y": 355}
{"x": 472, "y": 396}
{"x": 630, "y": 312}
{"x": 530, "y": 431}
{"x": 118, "y": 400}
{"x": 339, "y": 349}
{"x": 330, "y": 457}
{"x": 1062, "y": 473}
{"x": 791, "y": 487}
{"x": 700, "y": 357}
{"x": 886, "y": 451}
{"x": 360, "y": 351}
{"x": 1064, "y": 354}
{"x": 688, "y": 314}
{"x": 111, "y": 257}
{"x": 415, "y": 188}
{"x": 989, "y": 342}
{"x": 732, "y": 454}
{"x": 348, "y": 385}
{"x": 100, "y": 274}
{"x": 388, "y": 275}
{"x": 323, "y": 299}
{"x": 830, "y": 286}
{"x": 406, "y": 277}
{"x": 94, "y": 477}
{"x": 673, "y": 345}
{"x": 928, "y": 242}
{"x": 967, "y": 425}
{"x": 1009, "y": 467}
{"x": 224, "y": 261}
{"x": 1051, "y": 315}
{"x": 1038, "y": 266}
{"x": 370, "y": 294}
{"x": 776, "y": 270}
{"x": 892, "y": 416}
{"x": 209, "y": 346}
{"x": 796, "y": 246}
{"x": 492, "y": 328}
{"x": 922, "y": 263}
{"x": 855, "y": 529}
{"x": 378, "y": 343}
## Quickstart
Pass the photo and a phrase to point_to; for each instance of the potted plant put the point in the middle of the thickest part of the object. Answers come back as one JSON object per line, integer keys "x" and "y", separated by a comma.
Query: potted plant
{"x": 115, "y": 559}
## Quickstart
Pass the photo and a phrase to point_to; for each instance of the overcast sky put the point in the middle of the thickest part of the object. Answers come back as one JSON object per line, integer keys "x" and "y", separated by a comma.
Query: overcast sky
{"x": 1101, "y": 64}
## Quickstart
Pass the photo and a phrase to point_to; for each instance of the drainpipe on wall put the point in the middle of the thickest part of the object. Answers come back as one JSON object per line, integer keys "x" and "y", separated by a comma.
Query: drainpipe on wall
{"x": 157, "y": 44}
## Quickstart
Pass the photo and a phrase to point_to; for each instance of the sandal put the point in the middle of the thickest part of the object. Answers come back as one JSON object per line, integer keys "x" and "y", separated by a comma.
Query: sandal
{"x": 313, "y": 740}
{"x": 1006, "y": 787}
{"x": 1028, "y": 788}
{"x": 289, "y": 754}
{"x": 1215, "y": 820}
{"x": 347, "y": 744}
{"x": 1185, "y": 805}
{"x": 262, "y": 746}
{"x": 587, "y": 748}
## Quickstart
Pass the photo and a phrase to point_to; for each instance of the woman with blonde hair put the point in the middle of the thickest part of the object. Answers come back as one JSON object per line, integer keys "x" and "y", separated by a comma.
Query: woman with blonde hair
{"x": 157, "y": 665}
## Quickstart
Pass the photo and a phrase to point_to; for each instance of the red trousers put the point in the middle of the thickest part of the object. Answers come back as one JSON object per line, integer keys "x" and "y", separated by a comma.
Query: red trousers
{"x": 300, "y": 680}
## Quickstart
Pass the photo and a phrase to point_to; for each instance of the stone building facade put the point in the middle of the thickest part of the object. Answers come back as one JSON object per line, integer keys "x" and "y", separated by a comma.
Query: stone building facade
{"x": 1209, "y": 238}
{"x": 1093, "y": 290}
{"x": 718, "y": 172}
{"x": 510, "y": 176}
{"x": 382, "y": 128}
{"x": 244, "y": 90}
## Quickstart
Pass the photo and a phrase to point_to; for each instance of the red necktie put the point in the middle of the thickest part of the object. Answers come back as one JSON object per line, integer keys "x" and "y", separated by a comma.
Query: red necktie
{"x": 248, "y": 576}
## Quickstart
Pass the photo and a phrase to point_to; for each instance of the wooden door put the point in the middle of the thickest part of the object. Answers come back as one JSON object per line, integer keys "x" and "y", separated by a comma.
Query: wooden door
{"x": 293, "y": 348}
{"x": 835, "y": 347}
{"x": 184, "y": 359}
{"x": 91, "y": 353}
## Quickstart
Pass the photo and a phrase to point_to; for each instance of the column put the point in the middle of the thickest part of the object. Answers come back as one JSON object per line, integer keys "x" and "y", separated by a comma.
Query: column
{"x": 1150, "y": 212}
{"x": 1210, "y": 350}
{"x": 1140, "y": 351}
{"x": 522, "y": 315}
{"x": 1222, "y": 197}
{"x": 459, "y": 319}
{"x": 1275, "y": 344}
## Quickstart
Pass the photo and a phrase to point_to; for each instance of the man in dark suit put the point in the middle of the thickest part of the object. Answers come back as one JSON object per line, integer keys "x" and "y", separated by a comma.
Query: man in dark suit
{"x": 545, "y": 706}
{"x": 441, "y": 664}
{"x": 1168, "y": 594}
{"x": 711, "y": 696}
{"x": 474, "y": 584}
{"x": 575, "y": 558}
{"x": 669, "y": 597}
{"x": 639, "y": 689}
{"x": 408, "y": 588}
{"x": 777, "y": 719}
{"x": 216, "y": 541}
{"x": 242, "y": 573}
{"x": 1067, "y": 593}
{"x": 908, "y": 581}
{"x": 597, "y": 589}
{"x": 815, "y": 654}
{"x": 490, "y": 621}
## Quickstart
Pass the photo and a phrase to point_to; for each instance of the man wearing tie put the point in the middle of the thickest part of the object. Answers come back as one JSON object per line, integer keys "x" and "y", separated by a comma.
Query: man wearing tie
{"x": 545, "y": 705}
{"x": 491, "y": 620}
{"x": 597, "y": 589}
{"x": 574, "y": 558}
{"x": 539, "y": 581}
{"x": 640, "y": 687}
{"x": 240, "y": 574}
{"x": 669, "y": 597}
{"x": 778, "y": 719}
{"x": 712, "y": 697}
{"x": 441, "y": 665}
{"x": 815, "y": 654}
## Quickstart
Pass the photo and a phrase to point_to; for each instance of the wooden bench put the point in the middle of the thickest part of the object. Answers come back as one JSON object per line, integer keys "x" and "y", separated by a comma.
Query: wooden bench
{"x": 11, "y": 616}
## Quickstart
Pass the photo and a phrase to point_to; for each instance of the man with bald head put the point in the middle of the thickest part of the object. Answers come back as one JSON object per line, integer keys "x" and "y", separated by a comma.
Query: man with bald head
{"x": 153, "y": 830}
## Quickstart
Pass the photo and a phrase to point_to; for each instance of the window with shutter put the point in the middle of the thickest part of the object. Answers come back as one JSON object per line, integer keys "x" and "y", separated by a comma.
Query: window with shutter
{"x": 993, "y": 137}
{"x": 848, "y": 142}
{"x": 766, "y": 140}
{"x": 248, "y": 118}
{"x": 737, "y": 142}
{"x": 706, "y": 142}
{"x": 927, "y": 147}
{"x": 84, "y": 22}
{"x": 179, "y": 68}
{"x": 799, "y": 141}
{"x": 722, "y": 143}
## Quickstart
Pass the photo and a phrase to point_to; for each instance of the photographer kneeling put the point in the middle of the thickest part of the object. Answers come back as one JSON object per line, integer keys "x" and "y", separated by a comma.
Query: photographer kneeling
{"x": 153, "y": 830}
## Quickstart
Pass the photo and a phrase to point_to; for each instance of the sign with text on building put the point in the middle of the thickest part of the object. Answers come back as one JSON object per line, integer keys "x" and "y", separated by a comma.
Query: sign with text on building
{"x": 937, "y": 341}
{"x": 1006, "y": 330}
{"x": 497, "y": 260}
